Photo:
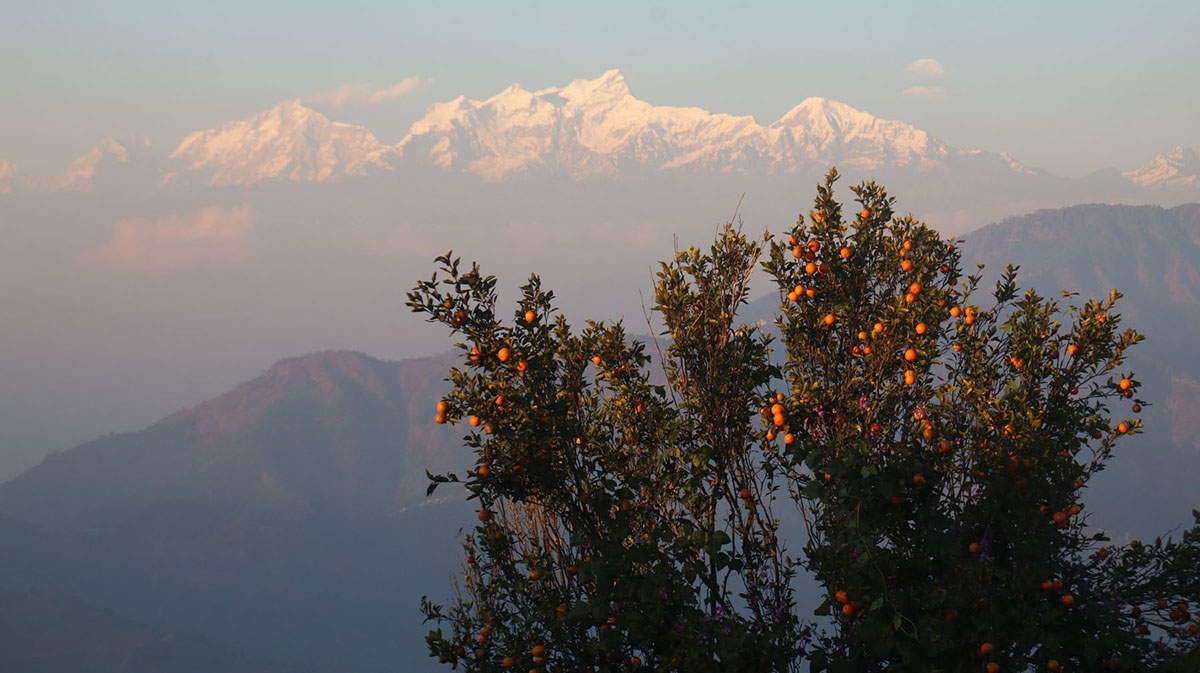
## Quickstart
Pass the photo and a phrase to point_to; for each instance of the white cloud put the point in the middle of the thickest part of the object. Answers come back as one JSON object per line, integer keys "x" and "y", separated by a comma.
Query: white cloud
{"x": 932, "y": 92}
{"x": 361, "y": 94}
{"x": 929, "y": 67}
{"x": 215, "y": 236}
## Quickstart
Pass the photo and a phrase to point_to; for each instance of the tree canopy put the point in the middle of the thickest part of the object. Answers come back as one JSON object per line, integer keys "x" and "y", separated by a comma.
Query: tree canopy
{"x": 934, "y": 444}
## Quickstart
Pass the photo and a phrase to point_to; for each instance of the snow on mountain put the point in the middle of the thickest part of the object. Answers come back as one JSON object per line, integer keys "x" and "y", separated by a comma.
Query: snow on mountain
{"x": 826, "y": 131}
{"x": 1178, "y": 168}
{"x": 10, "y": 177}
{"x": 81, "y": 174}
{"x": 289, "y": 141}
{"x": 594, "y": 127}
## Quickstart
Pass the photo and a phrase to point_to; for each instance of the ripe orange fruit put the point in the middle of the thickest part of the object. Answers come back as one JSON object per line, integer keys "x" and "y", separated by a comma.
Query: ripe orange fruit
{"x": 878, "y": 328}
{"x": 507, "y": 662}
{"x": 485, "y": 516}
{"x": 818, "y": 217}
{"x": 986, "y": 649}
{"x": 439, "y": 419}
{"x": 560, "y": 610}
{"x": 910, "y": 354}
{"x": 474, "y": 354}
{"x": 909, "y": 298}
{"x": 776, "y": 409}
{"x": 946, "y": 446}
{"x": 522, "y": 366}
{"x": 841, "y": 597}
{"x": 596, "y": 359}
{"x": 970, "y": 319}
{"x": 973, "y": 548}
{"x": 503, "y": 354}
{"x": 906, "y": 265}
{"x": 866, "y": 212}
{"x": 918, "y": 479}
{"x": 1047, "y": 585}
{"x": 635, "y": 662}
{"x": 1058, "y": 585}
{"x": 993, "y": 667}
{"x": 744, "y": 494}
{"x": 910, "y": 377}
{"x": 535, "y": 574}
{"x": 1072, "y": 349}
{"x": 474, "y": 420}
{"x": 830, "y": 319}
{"x": 796, "y": 252}
{"x": 811, "y": 267}
{"x": 1122, "y": 428}
{"x": 848, "y": 610}
{"x": 442, "y": 406}
{"x": 1068, "y": 600}
{"x": 862, "y": 336}
{"x": 792, "y": 296}
{"x": 1059, "y": 518}
{"x": 483, "y": 470}
{"x": 779, "y": 420}
{"x": 814, "y": 245}
{"x": 530, "y": 316}
{"x": 915, "y": 288}
{"x": 1052, "y": 665}
{"x": 922, "y": 328}
{"x": 845, "y": 253}
{"x": 907, "y": 245}
{"x": 1125, "y": 383}
{"x": 955, "y": 311}
{"x": 789, "y": 438}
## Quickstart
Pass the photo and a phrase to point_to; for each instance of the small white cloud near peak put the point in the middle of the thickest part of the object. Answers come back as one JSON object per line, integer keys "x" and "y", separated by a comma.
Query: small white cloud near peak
{"x": 929, "y": 67}
{"x": 930, "y": 92}
{"x": 363, "y": 94}
{"x": 212, "y": 237}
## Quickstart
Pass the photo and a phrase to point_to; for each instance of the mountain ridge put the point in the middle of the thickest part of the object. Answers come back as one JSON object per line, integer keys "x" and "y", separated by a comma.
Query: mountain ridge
{"x": 588, "y": 128}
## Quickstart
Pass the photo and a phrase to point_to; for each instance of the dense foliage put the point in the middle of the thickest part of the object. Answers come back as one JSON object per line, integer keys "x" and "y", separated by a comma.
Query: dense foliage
{"x": 935, "y": 448}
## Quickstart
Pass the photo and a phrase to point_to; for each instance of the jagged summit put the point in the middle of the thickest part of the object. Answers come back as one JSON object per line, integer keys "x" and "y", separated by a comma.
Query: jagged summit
{"x": 288, "y": 141}
{"x": 596, "y": 127}
{"x": 10, "y": 177}
{"x": 1178, "y": 168}
{"x": 586, "y": 128}
{"x": 81, "y": 174}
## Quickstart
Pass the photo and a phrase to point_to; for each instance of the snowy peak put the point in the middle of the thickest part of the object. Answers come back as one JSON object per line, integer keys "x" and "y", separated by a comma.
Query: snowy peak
{"x": 610, "y": 86}
{"x": 1178, "y": 168}
{"x": 832, "y": 132}
{"x": 288, "y": 141}
{"x": 81, "y": 174}
{"x": 597, "y": 127}
{"x": 10, "y": 178}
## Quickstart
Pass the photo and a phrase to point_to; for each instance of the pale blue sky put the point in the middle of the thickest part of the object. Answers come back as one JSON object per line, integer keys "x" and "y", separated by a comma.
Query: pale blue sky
{"x": 1068, "y": 86}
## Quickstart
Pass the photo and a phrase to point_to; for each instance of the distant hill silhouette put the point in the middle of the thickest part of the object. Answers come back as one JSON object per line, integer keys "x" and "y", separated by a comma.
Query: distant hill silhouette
{"x": 335, "y": 430}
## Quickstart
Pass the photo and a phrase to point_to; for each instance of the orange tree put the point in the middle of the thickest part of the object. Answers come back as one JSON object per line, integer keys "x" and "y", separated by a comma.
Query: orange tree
{"x": 622, "y": 523}
{"x": 938, "y": 450}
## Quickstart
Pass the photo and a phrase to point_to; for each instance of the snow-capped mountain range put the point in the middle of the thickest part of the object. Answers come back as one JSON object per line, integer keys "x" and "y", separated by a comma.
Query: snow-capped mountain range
{"x": 586, "y": 129}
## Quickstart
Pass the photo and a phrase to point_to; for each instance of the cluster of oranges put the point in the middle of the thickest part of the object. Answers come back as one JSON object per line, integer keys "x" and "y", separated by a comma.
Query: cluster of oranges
{"x": 849, "y": 607}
